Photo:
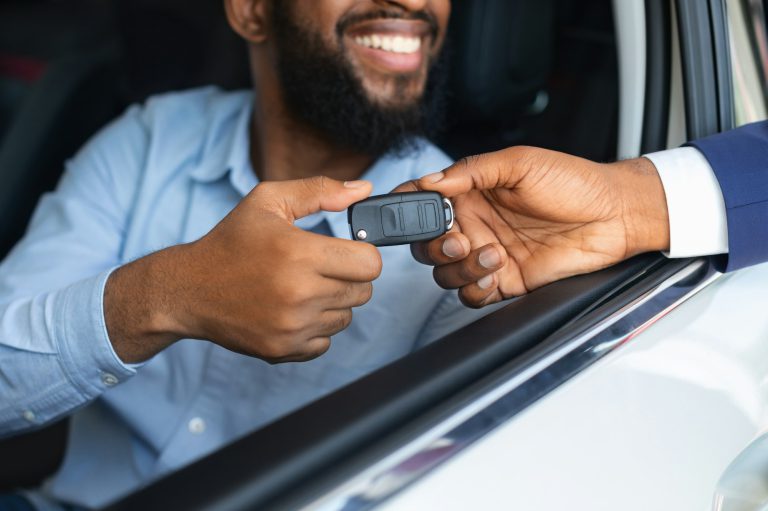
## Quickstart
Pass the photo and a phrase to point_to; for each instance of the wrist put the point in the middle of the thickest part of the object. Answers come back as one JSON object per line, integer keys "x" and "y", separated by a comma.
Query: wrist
{"x": 644, "y": 206}
{"x": 139, "y": 307}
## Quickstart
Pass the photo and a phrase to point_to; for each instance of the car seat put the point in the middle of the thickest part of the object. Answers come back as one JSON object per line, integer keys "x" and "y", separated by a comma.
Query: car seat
{"x": 501, "y": 55}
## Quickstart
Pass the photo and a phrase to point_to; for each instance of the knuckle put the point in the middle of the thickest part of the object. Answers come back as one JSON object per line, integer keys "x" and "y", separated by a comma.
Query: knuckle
{"x": 262, "y": 191}
{"x": 291, "y": 295}
{"x": 319, "y": 347}
{"x": 273, "y": 351}
{"x": 317, "y": 184}
{"x": 288, "y": 323}
{"x": 341, "y": 320}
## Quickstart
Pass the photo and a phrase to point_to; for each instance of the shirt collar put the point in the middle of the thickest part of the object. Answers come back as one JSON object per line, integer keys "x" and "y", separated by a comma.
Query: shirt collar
{"x": 226, "y": 150}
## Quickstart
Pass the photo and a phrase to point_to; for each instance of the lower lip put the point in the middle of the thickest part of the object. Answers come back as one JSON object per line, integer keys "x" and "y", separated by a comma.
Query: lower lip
{"x": 389, "y": 61}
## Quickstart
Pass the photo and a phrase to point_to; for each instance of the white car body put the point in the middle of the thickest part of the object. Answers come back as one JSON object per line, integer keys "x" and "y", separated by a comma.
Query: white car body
{"x": 654, "y": 425}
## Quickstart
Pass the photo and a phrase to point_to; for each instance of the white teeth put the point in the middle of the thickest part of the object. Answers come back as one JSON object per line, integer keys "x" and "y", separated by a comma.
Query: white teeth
{"x": 396, "y": 44}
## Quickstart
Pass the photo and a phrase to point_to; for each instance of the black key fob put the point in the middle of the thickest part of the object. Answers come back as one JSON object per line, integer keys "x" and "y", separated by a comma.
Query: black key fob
{"x": 400, "y": 218}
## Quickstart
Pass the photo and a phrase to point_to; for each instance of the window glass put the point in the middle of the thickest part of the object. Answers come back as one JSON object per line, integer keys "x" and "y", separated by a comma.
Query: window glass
{"x": 749, "y": 59}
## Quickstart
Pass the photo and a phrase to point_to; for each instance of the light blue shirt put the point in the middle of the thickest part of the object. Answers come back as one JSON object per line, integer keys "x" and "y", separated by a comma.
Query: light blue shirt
{"x": 161, "y": 175}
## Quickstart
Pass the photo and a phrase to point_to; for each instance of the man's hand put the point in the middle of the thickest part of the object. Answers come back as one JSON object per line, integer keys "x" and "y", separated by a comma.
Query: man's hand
{"x": 255, "y": 284}
{"x": 526, "y": 217}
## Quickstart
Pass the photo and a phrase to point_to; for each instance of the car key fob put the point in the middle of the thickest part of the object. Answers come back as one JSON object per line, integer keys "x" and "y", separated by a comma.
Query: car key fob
{"x": 400, "y": 218}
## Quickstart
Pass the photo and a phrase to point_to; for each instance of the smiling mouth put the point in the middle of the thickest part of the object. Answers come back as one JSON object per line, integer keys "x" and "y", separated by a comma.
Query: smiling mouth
{"x": 394, "y": 44}
{"x": 391, "y": 46}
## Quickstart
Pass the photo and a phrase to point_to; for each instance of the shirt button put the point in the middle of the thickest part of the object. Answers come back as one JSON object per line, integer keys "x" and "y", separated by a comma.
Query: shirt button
{"x": 110, "y": 380}
{"x": 196, "y": 425}
{"x": 28, "y": 415}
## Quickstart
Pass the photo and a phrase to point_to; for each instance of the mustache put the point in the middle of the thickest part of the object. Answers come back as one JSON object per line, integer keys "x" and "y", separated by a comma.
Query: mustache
{"x": 380, "y": 14}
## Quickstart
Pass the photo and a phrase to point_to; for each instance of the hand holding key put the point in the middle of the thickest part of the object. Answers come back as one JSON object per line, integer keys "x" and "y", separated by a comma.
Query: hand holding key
{"x": 255, "y": 284}
{"x": 526, "y": 217}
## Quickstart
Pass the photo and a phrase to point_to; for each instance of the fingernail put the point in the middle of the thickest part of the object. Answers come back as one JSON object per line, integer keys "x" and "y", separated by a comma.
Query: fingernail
{"x": 355, "y": 184}
{"x": 433, "y": 178}
{"x": 453, "y": 248}
{"x": 485, "y": 282}
{"x": 489, "y": 258}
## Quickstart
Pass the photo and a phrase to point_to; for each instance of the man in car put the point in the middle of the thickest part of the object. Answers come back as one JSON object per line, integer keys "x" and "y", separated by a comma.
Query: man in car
{"x": 208, "y": 216}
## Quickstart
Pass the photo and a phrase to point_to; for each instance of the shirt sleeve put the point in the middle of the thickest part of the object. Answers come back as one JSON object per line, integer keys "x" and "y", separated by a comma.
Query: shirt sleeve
{"x": 450, "y": 315}
{"x": 697, "y": 216}
{"x": 55, "y": 354}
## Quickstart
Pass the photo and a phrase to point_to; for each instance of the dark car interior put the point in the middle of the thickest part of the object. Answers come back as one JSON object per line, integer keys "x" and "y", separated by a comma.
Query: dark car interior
{"x": 537, "y": 72}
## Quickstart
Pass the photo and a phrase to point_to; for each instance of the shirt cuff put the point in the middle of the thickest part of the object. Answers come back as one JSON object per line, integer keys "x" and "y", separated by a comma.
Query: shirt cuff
{"x": 697, "y": 219}
{"x": 87, "y": 355}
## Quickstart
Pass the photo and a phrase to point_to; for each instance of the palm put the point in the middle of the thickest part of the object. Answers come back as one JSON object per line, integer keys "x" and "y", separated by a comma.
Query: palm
{"x": 548, "y": 233}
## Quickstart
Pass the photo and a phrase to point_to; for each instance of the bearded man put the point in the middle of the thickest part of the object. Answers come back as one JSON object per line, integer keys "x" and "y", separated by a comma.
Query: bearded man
{"x": 211, "y": 216}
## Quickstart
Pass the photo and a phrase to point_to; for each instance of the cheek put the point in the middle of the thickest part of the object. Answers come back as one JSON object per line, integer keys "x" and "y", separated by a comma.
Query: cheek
{"x": 442, "y": 11}
{"x": 318, "y": 16}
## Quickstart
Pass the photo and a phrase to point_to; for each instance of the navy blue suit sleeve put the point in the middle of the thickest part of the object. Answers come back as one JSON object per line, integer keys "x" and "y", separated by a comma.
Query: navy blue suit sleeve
{"x": 739, "y": 159}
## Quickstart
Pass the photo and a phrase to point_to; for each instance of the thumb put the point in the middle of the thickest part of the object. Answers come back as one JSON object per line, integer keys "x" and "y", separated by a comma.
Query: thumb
{"x": 301, "y": 197}
{"x": 499, "y": 169}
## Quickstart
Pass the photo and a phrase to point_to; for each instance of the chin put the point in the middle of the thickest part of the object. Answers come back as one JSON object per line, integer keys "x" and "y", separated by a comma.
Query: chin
{"x": 394, "y": 93}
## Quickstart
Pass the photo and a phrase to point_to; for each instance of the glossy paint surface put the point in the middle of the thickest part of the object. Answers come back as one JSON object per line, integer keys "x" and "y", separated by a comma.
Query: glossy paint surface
{"x": 651, "y": 426}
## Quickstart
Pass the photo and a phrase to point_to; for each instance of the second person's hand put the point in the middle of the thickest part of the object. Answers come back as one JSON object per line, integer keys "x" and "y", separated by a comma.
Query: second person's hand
{"x": 526, "y": 217}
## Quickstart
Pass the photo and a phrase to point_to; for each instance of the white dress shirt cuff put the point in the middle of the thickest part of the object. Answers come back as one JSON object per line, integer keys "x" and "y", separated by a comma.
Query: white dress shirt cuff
{"x": 697, "y": 217}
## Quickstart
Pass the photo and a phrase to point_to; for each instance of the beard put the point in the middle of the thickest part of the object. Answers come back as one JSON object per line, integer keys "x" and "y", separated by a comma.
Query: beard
{"x": 320, "y": 88}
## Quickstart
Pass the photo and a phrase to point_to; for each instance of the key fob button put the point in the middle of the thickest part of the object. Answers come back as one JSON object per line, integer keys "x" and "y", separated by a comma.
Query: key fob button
{"x": 390, "y": 220}
{"x": 409, "y": 215}
{"x": 430, "y": 216}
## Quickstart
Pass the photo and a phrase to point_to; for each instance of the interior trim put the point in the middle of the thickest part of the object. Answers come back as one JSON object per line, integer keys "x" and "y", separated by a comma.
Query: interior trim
{"x": 723, "y": 69}
{"x": 658, "y": 75}
{"x": 699, "y": 78}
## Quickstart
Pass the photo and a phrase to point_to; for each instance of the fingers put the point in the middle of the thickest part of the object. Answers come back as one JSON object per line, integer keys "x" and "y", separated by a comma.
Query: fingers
{"x": 479, "y": 264}
{"x": 347, "y": 260}
{"x": 345, "y": 295}
{"x": 301, "y": 197}
{"x": 481, "y": 293}
{"x": 446, "y": 249}
{"x": 408, "y": 186}
{"x": 310, "y": 349}
{"x": 482, "y": 172}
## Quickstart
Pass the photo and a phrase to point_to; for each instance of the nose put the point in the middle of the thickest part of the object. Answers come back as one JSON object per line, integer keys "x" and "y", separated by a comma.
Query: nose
{"x": 408, "y": 5}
